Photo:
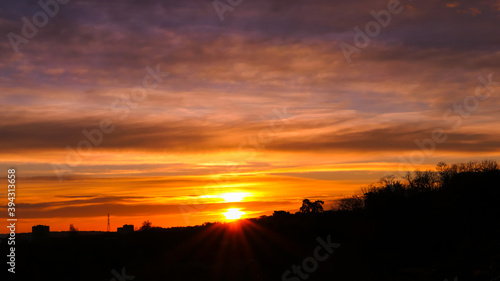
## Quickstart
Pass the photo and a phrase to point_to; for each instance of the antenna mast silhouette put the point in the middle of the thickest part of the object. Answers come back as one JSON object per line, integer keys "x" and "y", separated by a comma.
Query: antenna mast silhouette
{"x": 109, "y": 226}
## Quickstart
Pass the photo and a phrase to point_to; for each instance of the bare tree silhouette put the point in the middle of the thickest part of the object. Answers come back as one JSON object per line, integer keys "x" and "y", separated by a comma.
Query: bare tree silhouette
{"x": 146, "y": 225}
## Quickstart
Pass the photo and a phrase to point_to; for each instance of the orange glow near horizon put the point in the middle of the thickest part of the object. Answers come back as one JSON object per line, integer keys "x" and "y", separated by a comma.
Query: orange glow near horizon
{"x": 185, "y": 200}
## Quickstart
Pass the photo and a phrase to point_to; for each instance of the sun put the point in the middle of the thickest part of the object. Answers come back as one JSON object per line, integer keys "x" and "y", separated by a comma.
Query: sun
{"x": 233, "y": 214}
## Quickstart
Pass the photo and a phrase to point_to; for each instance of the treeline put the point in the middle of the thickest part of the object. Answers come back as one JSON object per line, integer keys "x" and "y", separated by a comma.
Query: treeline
{"x": 471, "y": 179}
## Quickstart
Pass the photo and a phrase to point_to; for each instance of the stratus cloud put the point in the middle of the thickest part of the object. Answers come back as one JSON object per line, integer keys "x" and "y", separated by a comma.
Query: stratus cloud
{"x": 70, "y": 210}
{"x": 189, "y": 136}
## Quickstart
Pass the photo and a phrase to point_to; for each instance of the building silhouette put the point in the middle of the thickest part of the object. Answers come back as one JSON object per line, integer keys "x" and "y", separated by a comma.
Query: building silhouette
{"x": 40, "y": 231}
{"x": 126, "y": 228}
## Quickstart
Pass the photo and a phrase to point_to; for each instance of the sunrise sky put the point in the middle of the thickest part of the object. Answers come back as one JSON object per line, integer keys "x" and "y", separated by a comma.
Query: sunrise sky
{"x": 258, "y": 111}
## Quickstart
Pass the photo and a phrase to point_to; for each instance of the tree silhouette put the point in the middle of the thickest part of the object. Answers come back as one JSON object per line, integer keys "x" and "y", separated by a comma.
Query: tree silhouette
{"x": 72, "y": 228}
{"x": 146, "y": 225}
{"x": 355, "y": 202}
{"x": 423, "y": 180}
{"x": 281, "y": 214}
{"x": 311, "y": 207}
